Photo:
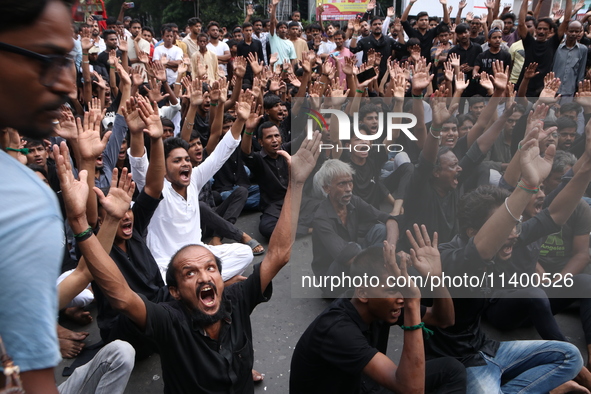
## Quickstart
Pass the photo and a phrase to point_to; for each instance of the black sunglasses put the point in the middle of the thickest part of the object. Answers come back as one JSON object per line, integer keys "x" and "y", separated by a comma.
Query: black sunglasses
{"x": 52, "y": 65}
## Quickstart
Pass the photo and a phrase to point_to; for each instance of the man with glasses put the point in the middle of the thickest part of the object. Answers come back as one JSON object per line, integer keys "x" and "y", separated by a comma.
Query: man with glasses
{"x": 36, "y": 75}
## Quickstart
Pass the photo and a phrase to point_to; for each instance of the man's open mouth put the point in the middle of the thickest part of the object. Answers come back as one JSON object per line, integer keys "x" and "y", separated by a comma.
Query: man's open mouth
{"x": 127, "y": 228}
{"x": 207, "y": 295}
{"x": 185, "y": 175}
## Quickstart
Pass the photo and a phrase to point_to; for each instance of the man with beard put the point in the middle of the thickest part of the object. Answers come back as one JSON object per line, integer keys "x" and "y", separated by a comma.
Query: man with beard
{"x": 204, "y": 337}
{"x": 218, "y": 47}
{"x": 570, "y": 60}
{"x": 280, "y": 44}
{"x": 567, "y": 133}
{"x": 378, "y": 42}
{"x": 135, "y": 42}
{"x": 425, "y": 34}
{"x": 339, "y": 219}
{"x": 468, "y": 51}
{"x": 328, "y": 46}
{"x": 540, "y": 49}
{"x": 500, "y": 153}
{"x": 191, "y": 39}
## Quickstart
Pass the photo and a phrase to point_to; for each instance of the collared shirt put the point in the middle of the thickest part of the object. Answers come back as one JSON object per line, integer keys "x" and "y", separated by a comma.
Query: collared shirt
{"x": 330, "y": 236}
{"x": 425, "y": 39}
{"x": 569, "y": 66}
{"x": 541, "y": 52}
{"x": 208, "y": 58}
{"x": 195, "y": 363}
{"x": 272, "y": 176}
{"x": 467, "y": 55}
{"x": 231, "y": 174}
{"x": 176, "y": 222}
{"x": 263, "y": 39}
{"x": 244, "y": 49}
{"x": 283, "y": 47}
{"x": 219, "y": 50}
{"x": 191, "y": 44}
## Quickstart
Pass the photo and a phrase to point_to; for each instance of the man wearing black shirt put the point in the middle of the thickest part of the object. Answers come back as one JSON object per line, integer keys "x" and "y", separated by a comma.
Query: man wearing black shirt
{"x": 468, "y": 52}
{"x": 490, "y": 233}
{"x": 204, "y": 337}
{"x": 110, "y": 38}
{"x": 248, "y": 46}
{"x": 422, "y": 32}
{"x": 349, "y": 339}
{"x": 270, "y": 170}
{"x": 540, "y": 49}
{"x": 378, "y": 42}
{"x": 475, "y": 26}
{"x": 485, "y": 60}
{"x": 340, "y": 218}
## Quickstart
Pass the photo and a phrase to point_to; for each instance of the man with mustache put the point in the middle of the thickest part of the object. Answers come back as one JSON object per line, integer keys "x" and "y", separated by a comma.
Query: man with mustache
{"x": 339, "y": 218}
{"x": 204, "y": 337}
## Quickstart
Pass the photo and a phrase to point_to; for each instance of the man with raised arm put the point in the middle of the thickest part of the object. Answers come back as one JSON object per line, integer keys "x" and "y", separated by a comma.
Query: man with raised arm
{"x": 422, "y": 32}
{"x": 542, "y": 48}
{"x": 204, "y": 337}
{"x": 280, "y": 44}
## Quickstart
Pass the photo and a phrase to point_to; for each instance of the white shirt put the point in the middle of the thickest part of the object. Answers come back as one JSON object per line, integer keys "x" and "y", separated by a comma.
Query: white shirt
{"x": 219, "y": 51}
{"x": 173, "y": 53}
{"x": 176, "y": 221}
{"x": 327, "y": 47}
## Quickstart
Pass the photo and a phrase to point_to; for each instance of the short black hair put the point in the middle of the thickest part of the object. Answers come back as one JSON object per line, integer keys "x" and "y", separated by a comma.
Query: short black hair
{"x": 264, "y": 125}
{"x": 279, "y": 24}
{"x": 148, "y": 28}
{"x": 462, "y": 28}
{"x": 193, "y": 21}
{"x": 171, "y": 144}
{"x": 565, "y": 122}
{"x": 271, "y": 100}
{"x": 422, "y": 14}
{"x": 246, "y": 24}
{"x": 293, "y": 24}
{"x": 171, "y": 270}
{"x": 476, "y": 206}
{"x": 134, "y": 21}
{"x": 108, "y": 32}
{"x": 375, "y": 18}
{"x": 508, "y": 15}
{"x": 212, "y": 23}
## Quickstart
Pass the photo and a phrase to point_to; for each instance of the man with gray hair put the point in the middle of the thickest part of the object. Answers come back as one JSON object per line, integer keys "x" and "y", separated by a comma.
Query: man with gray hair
{"x": 340, "y": 220}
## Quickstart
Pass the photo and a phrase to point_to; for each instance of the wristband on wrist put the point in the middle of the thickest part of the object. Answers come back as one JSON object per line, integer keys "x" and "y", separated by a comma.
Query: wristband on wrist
{"x": 24, "y": 151}
{"x": 247, "y": 133}
{"x": 421, "y": 325}
{"x": 418, "y": 96}
{"x": 435, "y": 128}
{"x": 531, "y": 190}
{"x": 113, "y": 67}
{"x": 213, "y": 104}
{"x": 360, "y": 91}
{"x": 84, "y": 54}
{"x": 83, "y": 236}
{"x": 437, "y": 137}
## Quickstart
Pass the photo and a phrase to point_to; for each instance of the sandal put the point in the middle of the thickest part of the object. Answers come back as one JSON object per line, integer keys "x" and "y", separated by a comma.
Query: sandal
{"x": 253, "y": 243}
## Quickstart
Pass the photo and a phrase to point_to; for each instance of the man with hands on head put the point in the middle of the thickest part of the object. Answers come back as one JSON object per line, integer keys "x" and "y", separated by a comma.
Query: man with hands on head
{"x": 204, "y": 337}
{"x": 349, "y": 339}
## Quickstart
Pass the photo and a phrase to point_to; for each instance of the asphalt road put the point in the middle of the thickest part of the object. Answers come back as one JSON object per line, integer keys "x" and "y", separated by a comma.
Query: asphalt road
{"x": 278, "y": 324}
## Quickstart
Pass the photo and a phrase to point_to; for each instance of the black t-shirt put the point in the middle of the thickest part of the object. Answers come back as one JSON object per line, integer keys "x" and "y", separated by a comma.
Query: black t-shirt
{"x": 467, "y": 56}
{"x": 333, "y": 351}
{"x": 479, "y": 39}
{"x": 485, "y": 60}
{"x": 232, "y": 173}
{"x": 541, "y": 52}
{"x": 425, "y": 39}
{"x": 244, "y": 49}
{"x": 367, "y": 178}
{"x": 137, "y": 266}
{"x": 194, "y": 363}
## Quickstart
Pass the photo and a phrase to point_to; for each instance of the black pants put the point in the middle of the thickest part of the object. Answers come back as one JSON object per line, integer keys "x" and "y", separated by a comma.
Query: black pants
{"x": 398, "y": 181}
{"x": 214, "y": 224}
{"x": 267, "y": 225}
{"x": 534, "y": 307}
{"x": 444, "y": 375}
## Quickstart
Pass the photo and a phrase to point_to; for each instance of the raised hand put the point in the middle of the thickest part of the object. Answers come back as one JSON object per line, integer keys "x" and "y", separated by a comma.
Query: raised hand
{"x": 243, "y": 105}
{"x": 486, "y": 83}
{"x": 424, "y": 253}
{"x": 500, "y": 75}
{"x": 253, "y": 60}
{"x": 90, "y": 143}
{"x": 157, "y": 69}
{"x": 130, "y": 111}
{"x": 273, "y": 59}
{"x": 155, "y": 91}
{"x": 142, "y": 56}
{"x": 534, "y": 168}
{"x": 194, "y": 91}
{"x": 408, "y": 291}
{"x": 100, "y": 82}
{"x": 439, "y": 107}
{"x": 138, "y": 76}
{"x": 164, "y": 59}
{"x": 113, "y": 57}
{"x": 454, "y": 59}
{"x": 118, "y": 201}
{"x": 583, "y": 96}
{"x": 421, "y": 77}
{"x": 123, "y": 47}
{"x": 371, "y": 5}
{"x": 74, "y": 192}
{"x": 530, "y": 71}
{"x": 303, "y": 162}
{"x": 461, "y": 83}
{"x": 399, "y": 86}
{"x": 67, "y": 125}
{"x": 240, "y": 66}
{"x": 448, "y": 71}
{"x": 349, "y": 66}
{"x": 151, "y": 118}
{"x": 390, "y": 12}
{"x": 462, "y": 5}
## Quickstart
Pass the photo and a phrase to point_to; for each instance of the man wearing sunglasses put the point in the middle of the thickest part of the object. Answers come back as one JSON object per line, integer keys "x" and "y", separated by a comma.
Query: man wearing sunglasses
{"x": 36, "y": 75}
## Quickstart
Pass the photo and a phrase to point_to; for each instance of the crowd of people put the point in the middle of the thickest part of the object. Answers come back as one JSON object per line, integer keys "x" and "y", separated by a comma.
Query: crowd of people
{"x": 128, "y": 156}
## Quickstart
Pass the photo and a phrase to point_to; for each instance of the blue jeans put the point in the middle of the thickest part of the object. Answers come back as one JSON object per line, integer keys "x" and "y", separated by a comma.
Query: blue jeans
{"x": 525, "y": 367}
{"x": 253, "y": 200}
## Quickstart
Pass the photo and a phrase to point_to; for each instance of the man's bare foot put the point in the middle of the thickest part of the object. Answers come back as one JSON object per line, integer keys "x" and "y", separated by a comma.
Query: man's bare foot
{"x": 69, "y": 348}
{"x": 215, "y": 241}
{"x": 257, "y": 376}
{"x": 235, "y": 279}
{"x": 584, "y": 378}
{"x": 259, "y": 249}
{"x": 64, "y": 333}
{"x": 570, "y": 387}
{"x": 78, "y": 315}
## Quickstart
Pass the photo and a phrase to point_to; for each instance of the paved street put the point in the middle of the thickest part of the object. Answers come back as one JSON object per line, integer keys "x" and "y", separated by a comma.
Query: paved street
{"x": 278, "y": 324}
